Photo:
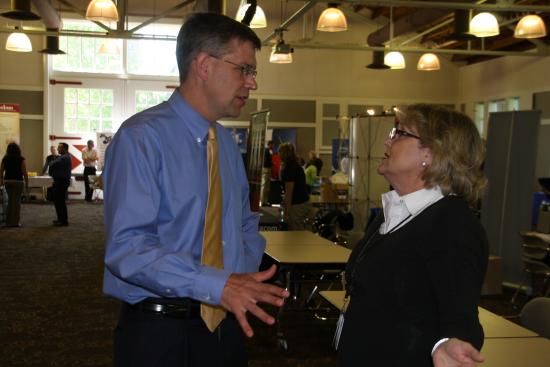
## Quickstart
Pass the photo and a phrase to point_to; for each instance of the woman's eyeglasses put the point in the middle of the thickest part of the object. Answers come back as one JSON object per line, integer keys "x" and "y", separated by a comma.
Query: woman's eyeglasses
{"x": 395, "y": 133}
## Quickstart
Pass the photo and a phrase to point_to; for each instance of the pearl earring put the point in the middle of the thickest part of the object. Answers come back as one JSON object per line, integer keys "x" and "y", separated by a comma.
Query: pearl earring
{"x": 424, "y": 164}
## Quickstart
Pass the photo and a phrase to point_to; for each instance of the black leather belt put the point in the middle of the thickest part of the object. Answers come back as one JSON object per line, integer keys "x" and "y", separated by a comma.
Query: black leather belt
{"x": 182, "y": 308}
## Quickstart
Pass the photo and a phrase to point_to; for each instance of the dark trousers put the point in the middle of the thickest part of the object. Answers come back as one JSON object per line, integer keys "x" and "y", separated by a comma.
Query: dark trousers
{"x": 144, "y": 339}
{"x": 89, "y": 191}
{"x": 14, "y": 190}
{"x": 59, "y": 200}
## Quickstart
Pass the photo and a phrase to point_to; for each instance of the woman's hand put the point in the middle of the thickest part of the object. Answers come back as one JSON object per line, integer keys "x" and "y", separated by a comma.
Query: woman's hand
{"x": 456, "y": 353}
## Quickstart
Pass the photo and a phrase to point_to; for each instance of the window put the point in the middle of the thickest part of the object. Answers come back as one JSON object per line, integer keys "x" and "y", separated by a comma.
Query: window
{"x": 82, "y": 52}
{"x": 498, "y": 105}
{"x": 513, "y": 104}
{"x": 479, "y": 116}
{"x": 87, "y": 110}
{"x": 149, "y": 98}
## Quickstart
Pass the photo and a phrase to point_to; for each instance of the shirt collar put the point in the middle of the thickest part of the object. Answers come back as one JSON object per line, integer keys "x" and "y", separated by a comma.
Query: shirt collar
{"x": 195, "y": 122}
{"x": 414, "y": 202}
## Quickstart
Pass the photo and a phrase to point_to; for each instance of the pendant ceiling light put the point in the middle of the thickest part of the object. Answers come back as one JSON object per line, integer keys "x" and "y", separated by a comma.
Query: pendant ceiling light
{"x": 484, "y": 25}
{"x": 280, "y": 58}
{"x": 530, "y": 26}
{"x": 18, "y": 42}
{"x": 332, "y": 19}
{"x": 258, "y": 21}
{"x": 395, "y": 60}
{"x": 281, "y": 52}
{"x": 428, "y": 62}
{"x": 109, "y": 47}
{"x": 21, "y": 10}
{"x": 102, "y": 10}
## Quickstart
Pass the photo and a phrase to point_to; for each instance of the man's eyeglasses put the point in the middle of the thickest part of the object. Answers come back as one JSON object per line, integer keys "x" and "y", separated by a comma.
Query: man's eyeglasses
{"x": 246, "y": 70}
{"x": 395, "y": 133}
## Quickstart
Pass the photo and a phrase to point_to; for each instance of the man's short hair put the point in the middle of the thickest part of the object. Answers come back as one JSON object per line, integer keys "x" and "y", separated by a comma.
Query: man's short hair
{"x": 90, "y": 141}
{"x": 65, "y": 146}
{"x": 210, "y": 33}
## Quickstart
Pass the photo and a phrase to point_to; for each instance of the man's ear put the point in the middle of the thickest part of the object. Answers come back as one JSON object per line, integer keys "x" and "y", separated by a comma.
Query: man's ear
{"x": 203, "y": 65}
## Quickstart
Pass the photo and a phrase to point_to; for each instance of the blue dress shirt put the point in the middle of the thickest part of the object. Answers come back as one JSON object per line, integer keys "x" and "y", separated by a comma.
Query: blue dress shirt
{"x": 155, "y": 194}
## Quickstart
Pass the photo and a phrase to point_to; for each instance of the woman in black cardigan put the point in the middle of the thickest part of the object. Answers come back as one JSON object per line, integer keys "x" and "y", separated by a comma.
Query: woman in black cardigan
{"x": 414, "y": 280}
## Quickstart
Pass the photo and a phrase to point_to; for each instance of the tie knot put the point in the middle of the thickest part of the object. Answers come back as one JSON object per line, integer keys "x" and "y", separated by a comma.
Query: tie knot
{"x": 212, "y": 132}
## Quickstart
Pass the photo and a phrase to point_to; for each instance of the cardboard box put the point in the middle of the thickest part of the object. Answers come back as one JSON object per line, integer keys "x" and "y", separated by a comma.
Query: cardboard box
{"x": 493, "y": 278}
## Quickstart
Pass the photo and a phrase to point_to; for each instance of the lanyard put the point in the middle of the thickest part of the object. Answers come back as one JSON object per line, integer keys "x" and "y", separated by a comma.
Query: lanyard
{"x": 363, "y": 252}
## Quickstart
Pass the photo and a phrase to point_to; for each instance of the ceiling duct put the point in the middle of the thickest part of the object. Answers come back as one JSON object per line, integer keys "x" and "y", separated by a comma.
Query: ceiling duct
{"x": 52, "y": 21}
{"x": 461, "y": 26}
{"x": 406, "y": 24}
{"x": 377, "y": 61}
{"x": 21, "y": 10}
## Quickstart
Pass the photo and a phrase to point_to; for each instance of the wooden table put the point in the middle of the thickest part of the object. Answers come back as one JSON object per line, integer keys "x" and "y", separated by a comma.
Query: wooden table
{"x": 294, "y": 238}
{"x": 494, "y": 326}
{"x": 516, "y": 352}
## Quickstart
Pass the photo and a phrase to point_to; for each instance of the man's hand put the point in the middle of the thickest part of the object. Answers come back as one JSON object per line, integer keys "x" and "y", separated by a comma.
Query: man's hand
{"x": 242, "y": 292}
{"x": 455, "y": 352}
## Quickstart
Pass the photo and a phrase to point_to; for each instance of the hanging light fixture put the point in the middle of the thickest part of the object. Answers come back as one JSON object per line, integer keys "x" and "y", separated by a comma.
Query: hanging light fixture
{"x": 102, "y": 10}
{"x": 281, "y": 53}
{"x": 258, "y": 21}
{"x": 109, "y": 47}
{"x": 484, "y": 25}
{"x": 18, "y": 42}
{"x": 332, "y": 19}
{"x": 21, "y": 10}
{"x": 530, "y": 26}
{"x": 395, "y": 60}
{"x": 428, "y": 62}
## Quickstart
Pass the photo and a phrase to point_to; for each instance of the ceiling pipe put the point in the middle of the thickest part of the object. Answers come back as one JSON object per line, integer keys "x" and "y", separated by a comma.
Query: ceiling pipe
{"x": 53, "y": 23}
{"x": 293, "y": 18}
{"x": 406, "y": 24}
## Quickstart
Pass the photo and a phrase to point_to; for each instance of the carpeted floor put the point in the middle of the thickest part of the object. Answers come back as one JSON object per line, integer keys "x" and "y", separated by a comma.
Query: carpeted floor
{"x": 53, "y": 313}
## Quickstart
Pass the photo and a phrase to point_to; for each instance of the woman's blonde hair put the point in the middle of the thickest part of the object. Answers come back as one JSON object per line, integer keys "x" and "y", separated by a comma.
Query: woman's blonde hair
{"x": 457, "y": 150}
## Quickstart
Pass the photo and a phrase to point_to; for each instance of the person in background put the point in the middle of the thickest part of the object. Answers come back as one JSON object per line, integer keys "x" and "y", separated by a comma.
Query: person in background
{"x": 90, "y": 158}
{"x": 13, "y": 175}
{"x": 266, "y": 172}
{"x": 156, "y": 205}
{"x": 316, "y": 161}
{"x": 344, "y": 165}
{"x": 296, "y": 198}
{"x": 60, "y": 170}
{"x": 413, "y": 282}
{"x": 311, "y": 176}
{"x": 53, "y": 155}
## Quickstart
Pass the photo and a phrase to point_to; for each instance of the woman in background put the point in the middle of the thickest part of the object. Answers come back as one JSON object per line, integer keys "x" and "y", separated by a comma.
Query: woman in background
{"x": 296, "y": 200}
{"x": 13, "y": 175}
{"x": 414, "y": 280}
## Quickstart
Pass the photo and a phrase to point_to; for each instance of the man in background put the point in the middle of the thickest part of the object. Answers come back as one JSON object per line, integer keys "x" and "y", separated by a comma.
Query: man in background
{"x": 90, "y": 158}
{"x": 49, "y": 159}
{"x": 60, "y": 170}
{"x": 156, "y": 205}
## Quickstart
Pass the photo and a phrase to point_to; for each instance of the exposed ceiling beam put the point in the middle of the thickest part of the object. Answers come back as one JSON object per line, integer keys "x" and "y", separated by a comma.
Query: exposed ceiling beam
{"x": 451, "y": 5}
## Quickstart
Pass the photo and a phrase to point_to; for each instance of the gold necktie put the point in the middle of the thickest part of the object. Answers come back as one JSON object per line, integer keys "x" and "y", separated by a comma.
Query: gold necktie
{"x": 212, "y": 253}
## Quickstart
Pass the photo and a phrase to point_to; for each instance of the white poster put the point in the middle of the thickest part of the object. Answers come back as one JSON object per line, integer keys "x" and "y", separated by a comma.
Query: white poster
{"x": 103, "y": 140}
{"x": 9, "y": 125}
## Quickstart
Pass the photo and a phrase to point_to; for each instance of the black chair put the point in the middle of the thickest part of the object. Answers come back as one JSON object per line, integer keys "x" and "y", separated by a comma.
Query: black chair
{"x": 535, "y": 256}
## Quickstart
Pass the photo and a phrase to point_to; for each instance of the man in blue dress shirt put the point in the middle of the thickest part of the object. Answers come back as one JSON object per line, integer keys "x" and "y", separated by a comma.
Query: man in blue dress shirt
{"x": 156, "y": 190}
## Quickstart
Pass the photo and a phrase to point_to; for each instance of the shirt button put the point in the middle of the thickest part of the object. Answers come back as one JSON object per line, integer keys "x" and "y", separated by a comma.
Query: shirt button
{"x": 199, "y": 140}
{"x": 223, "y": 243}
{"x": 168, "y": 291}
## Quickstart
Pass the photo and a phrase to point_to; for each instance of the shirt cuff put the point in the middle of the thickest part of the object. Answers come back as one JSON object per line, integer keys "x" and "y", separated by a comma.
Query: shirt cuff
{"x": 209, "y": 285}
{"x": 438, "y": 344}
